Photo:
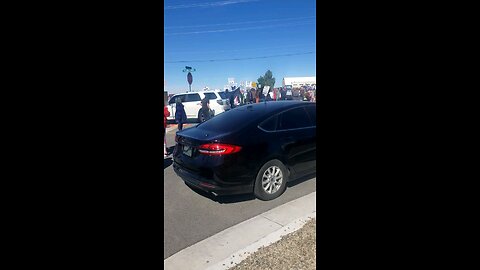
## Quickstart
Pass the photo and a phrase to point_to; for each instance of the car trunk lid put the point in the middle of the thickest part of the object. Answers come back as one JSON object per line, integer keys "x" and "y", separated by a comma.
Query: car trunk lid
{"x": 195, "y": 136}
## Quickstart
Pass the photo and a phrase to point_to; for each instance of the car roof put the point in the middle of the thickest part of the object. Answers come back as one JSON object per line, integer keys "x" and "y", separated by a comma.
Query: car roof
{"x": 197, "y": 92}
{"x": 240, "y": 117}
{"x": 273, "y": 106}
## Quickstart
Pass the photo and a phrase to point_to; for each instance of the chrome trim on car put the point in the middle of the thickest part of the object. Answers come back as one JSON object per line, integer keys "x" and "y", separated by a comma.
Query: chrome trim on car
{"x": 271, "y": 131}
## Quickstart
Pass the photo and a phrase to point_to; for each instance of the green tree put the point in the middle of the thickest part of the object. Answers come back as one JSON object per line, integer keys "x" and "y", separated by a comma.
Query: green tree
{"x": 267, "y": 79}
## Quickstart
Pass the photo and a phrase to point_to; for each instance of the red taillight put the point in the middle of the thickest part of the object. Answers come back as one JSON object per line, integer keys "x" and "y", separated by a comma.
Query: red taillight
{"x": 217, "y": 149}
{"x": 206, "y": 185}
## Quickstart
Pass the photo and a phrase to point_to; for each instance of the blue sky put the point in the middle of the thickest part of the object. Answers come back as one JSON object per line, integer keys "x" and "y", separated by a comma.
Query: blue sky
{"x": 216, "y": 30}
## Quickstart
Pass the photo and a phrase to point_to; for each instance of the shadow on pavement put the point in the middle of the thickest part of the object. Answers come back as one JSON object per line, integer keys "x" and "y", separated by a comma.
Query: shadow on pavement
{"x": 301, "y": 179}
{"x": 167, "y": 162}
{"x": 223, "y": 199}
{"x": 244, "y": 197}
{"x": 235, "y": 198}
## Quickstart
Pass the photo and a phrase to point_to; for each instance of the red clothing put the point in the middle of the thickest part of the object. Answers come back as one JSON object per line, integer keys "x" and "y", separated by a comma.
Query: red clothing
{"x": 166, "y": 114}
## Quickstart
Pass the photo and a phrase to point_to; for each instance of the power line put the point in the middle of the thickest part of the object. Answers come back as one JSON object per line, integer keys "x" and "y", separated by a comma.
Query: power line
{"x": 236, "y": 29}
{"x": 239, "y": 50}
{"x": 210, "y": 4}
{"x": 239, "y": 59}
{"x": 237, "y": 23}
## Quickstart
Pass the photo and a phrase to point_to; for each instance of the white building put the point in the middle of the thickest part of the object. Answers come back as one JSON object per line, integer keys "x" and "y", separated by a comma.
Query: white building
{"x": 296, "y": 82}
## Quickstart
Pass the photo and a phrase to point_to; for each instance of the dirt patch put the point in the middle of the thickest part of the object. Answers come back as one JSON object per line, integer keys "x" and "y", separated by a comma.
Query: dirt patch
{"x": 296, "y": 250}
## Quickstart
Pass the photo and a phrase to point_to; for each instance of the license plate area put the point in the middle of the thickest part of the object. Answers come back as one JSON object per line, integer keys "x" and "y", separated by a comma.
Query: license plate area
{"x": 187, "y": 150}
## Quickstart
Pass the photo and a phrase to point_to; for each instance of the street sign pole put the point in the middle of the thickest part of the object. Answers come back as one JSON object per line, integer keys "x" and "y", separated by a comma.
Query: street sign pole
{"x": 189, "y": 76}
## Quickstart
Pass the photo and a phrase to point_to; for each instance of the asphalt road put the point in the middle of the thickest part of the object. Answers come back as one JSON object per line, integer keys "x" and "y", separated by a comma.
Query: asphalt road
{"x": 191, "y": 216}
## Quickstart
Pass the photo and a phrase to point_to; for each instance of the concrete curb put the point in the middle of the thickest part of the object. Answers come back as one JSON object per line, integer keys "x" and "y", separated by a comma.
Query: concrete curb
{"x": 228, "y": 246}
{"x": 242, "y": 254}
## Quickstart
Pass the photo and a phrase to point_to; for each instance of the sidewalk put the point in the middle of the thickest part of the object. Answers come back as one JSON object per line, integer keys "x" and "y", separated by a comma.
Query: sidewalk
{"x": 231, "y": 246}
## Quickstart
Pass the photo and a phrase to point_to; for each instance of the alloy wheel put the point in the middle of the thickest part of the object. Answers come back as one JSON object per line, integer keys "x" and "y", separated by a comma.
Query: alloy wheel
{"x": 272, "y": 179}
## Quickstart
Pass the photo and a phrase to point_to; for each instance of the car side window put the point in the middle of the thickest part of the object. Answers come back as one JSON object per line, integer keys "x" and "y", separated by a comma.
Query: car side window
{"x": 294, "y": 118}
{"x": 172, "y": 100}
{"x": 270, "y": 124}
{"x": 210, "y": 96}
{"x": 312, "y": 113}
{"x": 192, "y": 97}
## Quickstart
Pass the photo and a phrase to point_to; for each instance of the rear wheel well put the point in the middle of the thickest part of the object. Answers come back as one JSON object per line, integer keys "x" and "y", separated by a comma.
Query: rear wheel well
{"x": 285, "y": 163}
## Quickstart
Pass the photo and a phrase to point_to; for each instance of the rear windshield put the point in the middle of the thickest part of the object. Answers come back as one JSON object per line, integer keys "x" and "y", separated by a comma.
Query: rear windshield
{"x": 229, "y": 121}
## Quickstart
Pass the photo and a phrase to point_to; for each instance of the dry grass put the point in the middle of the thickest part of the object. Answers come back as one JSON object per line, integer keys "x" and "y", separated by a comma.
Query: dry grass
{"x": 294, "y": 251}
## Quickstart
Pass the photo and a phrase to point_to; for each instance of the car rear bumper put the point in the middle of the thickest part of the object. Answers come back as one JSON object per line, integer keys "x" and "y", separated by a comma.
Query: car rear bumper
{"x": 209, "y": 185}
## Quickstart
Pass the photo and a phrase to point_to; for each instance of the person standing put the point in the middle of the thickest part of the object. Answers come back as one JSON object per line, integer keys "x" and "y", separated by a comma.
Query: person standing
{"x": 283, "y": 93}
{"x": 205, "y": 115}
{"x": 237, "y": 97}
{"x": 268, "y": 96}
{"x": 231, "y": 98}
{"x": 243, "y": 94}
{"x": 180, "y": 115}
{"x": 250, "y": 96}
{"x": 166, "y": 114}
{"x": 308, "y": 96}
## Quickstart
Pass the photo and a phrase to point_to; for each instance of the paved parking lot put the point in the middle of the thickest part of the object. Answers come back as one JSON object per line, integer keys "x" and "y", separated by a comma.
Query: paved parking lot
{"x": 191, "y": 216}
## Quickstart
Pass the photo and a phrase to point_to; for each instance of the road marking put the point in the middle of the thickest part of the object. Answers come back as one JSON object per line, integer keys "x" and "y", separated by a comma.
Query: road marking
{"x": 247, "y": 236}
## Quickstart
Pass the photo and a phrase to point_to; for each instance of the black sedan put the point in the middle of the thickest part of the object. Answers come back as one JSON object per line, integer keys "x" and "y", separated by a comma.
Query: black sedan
{"x": 254, "y": 148}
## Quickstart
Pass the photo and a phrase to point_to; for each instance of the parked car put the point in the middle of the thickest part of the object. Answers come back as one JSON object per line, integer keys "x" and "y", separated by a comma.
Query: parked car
{"x": 192, "y": 103}
{"x": 255, "y": 148}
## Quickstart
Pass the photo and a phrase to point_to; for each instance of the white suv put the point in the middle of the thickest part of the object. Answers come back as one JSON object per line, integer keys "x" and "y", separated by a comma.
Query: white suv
{"x": 192, "y": 103}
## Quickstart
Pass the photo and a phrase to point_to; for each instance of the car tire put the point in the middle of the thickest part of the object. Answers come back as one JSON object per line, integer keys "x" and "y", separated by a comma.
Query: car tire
{"x": 267, "y": 185}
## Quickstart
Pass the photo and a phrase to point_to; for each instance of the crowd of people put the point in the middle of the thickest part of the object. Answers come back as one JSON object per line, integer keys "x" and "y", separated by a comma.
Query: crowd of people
{"x": 237, "y": 98}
